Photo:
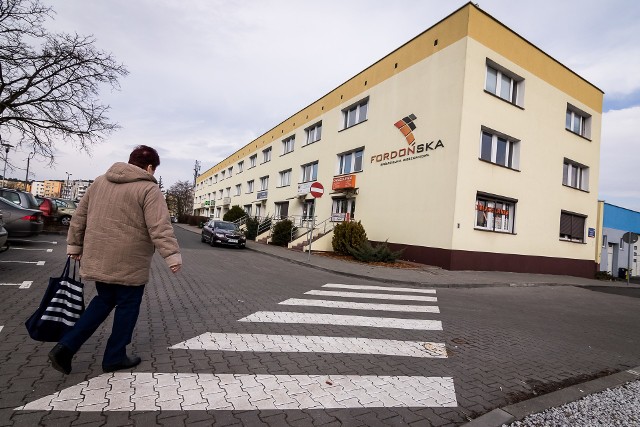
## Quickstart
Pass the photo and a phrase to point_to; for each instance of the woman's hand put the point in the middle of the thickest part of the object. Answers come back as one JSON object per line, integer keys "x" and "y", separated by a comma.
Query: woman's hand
{"x": 75, "y": 256}
{"x": 175, "y": 268}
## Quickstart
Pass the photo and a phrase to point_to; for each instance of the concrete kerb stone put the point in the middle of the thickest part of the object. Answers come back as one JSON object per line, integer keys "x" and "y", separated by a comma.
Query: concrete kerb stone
{"x": 518, "y": 411}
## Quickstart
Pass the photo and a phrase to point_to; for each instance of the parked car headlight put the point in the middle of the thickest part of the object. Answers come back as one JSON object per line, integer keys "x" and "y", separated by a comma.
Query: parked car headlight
{"x": 219, "y": 235}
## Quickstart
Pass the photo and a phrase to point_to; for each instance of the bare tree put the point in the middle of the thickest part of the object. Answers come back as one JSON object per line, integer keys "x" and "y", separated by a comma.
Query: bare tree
{"x": 180, "y": 198}
{"x": 49, "y": 82}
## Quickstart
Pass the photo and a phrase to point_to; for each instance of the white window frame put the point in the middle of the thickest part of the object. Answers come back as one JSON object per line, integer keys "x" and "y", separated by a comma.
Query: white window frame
{"x": 508, "y": 85}
{"x": 266, "y": 155}
{"x": 227, "y": 192}
{"x": 215, "y": 178}
{"x": 578, "y": 121}
{"x": 355, "y": 113}
{"x": 250, "y": 186}
{"x": 238, "y": 189}
{"x": 495, "y": 214}
{"x": 511, "y": 153}
{"x": 230, "y": 172}
{"x": 575, "y": 175}
{"x": 309, "y": 172}
{"x": 222, "y": 175}
{"x": 288, "y": 144}
{"x": 248, "y": 209}
{"x": 285, "y": 178}
{"x": 220, "y": 192}
{"x": 570, "y": 237}
{"x": 348, "y": 162}
{"x": 264, "y": 183}
{"x": 218, "y": 211}
{"x": 278, "y": 210}
{"x": 240, "y": 166}
{"x": 253, "y": 160}
{"x": 314, "y": 133}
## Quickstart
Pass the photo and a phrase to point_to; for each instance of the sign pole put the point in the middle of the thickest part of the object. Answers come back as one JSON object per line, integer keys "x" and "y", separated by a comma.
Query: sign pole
{"x": 313, "y": 226}
{"x": 629, "y": 258}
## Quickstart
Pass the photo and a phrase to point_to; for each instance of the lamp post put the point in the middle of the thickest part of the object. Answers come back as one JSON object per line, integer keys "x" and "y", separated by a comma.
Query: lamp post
{"x": 7, "y": 147}
{"x": 26, "y": 179}
{"x": 67, "y": 191}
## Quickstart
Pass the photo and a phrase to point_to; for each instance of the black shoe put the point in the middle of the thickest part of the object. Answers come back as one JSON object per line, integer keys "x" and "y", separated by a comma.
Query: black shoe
{"x": 128, "y": 362}
{"x": 60, "y": 357}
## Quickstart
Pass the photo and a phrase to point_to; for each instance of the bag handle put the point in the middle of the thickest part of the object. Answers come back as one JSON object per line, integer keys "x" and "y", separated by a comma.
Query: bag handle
{"x": 67, "y": 266}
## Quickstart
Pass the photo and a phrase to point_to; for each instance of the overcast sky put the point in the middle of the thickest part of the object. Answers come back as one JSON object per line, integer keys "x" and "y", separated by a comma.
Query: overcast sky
{"x": 208, "y": 76}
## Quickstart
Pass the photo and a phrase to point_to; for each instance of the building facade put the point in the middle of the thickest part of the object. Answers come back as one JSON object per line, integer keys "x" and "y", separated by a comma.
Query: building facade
{"x": 615, "y": 253}
{"x": 468, "y": 147}
{"x": 37, "y": 188}
{"x": 52, "y": 188}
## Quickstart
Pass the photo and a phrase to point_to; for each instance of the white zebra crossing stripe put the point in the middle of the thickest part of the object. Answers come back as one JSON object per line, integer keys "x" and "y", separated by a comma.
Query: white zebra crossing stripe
{"x": 308, "y": 344}
{"x": 380, "y": 288}
{"x": 341, "y": 320}
{"x": 133, "y": 391}
{"x": 391, "y": 297}
{"x": 362, "y": 305}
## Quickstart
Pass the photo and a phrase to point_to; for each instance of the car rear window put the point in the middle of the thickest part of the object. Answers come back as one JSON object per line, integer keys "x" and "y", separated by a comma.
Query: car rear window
{"x": 33, "y": 203}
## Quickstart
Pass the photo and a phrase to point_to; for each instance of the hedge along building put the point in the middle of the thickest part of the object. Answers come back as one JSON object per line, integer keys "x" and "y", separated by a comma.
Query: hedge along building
{"x": 468, "y": 147}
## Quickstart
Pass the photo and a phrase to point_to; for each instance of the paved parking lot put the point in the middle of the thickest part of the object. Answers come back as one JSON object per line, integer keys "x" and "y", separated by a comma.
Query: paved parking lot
{"x": 239, "y": 338}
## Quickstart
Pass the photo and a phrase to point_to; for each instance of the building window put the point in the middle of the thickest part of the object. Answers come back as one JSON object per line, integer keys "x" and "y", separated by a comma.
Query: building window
{"x": 575, "y": 175}
{"x": 285, "y": 178}
{"x": 282, "y": 210}
{"x": 287, "y": 144}
{"x": 314, "y": 133}
{"x": 504, "y": 84}
{"x": 238, "y": 189}
{"x": 495, "y": 214}
{"x": 222, "y": 175}
{"x": 220, "y": 194}
{"x": 350, "y": 162}
{"x": 252, "y": 161}
{"x": 240, "y": 166}
{"x": 343, "y": 209}
{"x": 577, "y": 121}
{"x": 310, "y": 172}
{"x": 266, "y": 155}
{"x": 499, "y": 149}
{"x": 355, "y": 114}
{"x": 264, "y": 183}
{"x": 249, "y": 186}
{"x": 215, "y": 178}
{"x": 228, "y": 192}
{"x": 230, "y": 172}
{"x": 572, "y": 227}
{"x": 247, "y": 209}
{"x": 218, "y": 211}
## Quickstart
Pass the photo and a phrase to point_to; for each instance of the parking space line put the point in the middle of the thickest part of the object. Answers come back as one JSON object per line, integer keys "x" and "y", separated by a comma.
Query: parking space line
{"x": 311, "y": 344}
{"x": 26, "y": 262}
{"x": 380, "y": 288}
{"x": 341, "y": 320}
{"x": 34, "y": 241}
{"x": 372, "y": 296}
{"x": 362, "y": 305}
{"x": 24, "y": 285}
{"x": 144, "y": 391}
{"x": 1, "y": 327}
{"x": 13, "y": 248}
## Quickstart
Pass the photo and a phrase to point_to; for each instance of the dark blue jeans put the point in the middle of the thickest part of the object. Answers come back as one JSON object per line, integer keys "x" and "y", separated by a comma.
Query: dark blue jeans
{"x": 126, "y": 300}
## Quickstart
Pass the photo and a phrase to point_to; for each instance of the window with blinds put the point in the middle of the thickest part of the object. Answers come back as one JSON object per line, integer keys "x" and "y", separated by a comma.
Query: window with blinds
{"x": 572, "y": 227}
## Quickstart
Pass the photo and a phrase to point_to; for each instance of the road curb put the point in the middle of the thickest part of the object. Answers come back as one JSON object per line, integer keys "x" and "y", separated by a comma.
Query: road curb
{"x": 518, "y": 411}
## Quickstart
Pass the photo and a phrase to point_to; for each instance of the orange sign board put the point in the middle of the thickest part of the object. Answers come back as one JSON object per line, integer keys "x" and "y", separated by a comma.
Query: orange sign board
{"x": 342, "y": 182}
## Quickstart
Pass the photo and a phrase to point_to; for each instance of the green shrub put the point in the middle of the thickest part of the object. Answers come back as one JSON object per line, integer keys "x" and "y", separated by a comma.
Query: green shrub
{"x": 348, "y": 234}
{"x": 379, "y": 253}
{"x": 282, "y": 233}
{"x": 252, "y": 228}
{"x": 234, "y": 214}
{"x": 604, "y": 275}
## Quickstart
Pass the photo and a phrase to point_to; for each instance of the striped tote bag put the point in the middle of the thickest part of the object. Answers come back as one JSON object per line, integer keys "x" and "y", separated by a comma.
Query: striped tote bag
{"x": 60, "y": 308}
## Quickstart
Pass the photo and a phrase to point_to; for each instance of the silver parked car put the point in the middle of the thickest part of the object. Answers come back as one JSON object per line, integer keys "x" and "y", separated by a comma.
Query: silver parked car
{"x": 20, "y": 222}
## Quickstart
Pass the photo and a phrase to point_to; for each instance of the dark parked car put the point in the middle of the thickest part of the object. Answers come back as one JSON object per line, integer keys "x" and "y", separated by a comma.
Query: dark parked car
{"x": 20, "y": 222}
{"x": 217, "y": 232}
{"x": 3, "y": 235}
{"x": 29, "y": 201}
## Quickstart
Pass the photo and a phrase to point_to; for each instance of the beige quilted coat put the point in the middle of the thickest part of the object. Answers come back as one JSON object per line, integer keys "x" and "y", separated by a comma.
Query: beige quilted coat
{"x": 120, "y": 221}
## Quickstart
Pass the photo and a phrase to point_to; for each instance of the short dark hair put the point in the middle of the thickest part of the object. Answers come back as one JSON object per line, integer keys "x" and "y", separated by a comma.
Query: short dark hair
{"x": 143, "y": 156}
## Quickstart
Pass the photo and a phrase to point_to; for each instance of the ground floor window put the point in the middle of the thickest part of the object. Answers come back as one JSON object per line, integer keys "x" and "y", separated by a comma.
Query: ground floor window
{"x": 282, "y": 210}
{"x": 572, "y": 227}
{"x": 495, "y": 214}
{"x": 247, "y": 209}
{"x": 308, "y": 210}
{"x": 343, "y": 209}
{"x": 218, "y": 212}
{"x": 258, "y": 210}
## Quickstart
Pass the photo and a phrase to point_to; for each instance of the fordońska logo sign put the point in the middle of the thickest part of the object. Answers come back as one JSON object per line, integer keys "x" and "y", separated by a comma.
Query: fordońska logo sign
{"x": 406, "y": 126}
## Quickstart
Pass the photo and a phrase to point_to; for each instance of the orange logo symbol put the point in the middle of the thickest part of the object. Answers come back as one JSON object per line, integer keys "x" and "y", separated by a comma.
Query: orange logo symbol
{"x": 406, "y": 126}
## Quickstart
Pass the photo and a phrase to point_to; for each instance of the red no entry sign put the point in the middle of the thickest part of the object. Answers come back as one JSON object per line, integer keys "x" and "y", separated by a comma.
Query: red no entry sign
{"x": 316, "y": 190}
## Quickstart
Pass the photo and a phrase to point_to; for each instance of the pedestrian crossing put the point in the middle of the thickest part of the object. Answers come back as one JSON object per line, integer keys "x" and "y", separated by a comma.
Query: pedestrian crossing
{"x": 201, "y": 391}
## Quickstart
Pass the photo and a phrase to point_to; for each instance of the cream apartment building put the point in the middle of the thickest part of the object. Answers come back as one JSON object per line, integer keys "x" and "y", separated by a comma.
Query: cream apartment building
{"x": 468, "y": 147}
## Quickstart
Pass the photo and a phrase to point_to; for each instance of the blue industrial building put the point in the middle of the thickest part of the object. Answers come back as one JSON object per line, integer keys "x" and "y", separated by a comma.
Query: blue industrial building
{"x": 617, "y": 254}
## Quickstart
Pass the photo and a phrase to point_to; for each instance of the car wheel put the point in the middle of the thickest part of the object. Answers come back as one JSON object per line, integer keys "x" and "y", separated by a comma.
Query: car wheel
{"x": 202, "y": 238}
{"x": 65, "y": 220}
{"x": 212, "y": 241}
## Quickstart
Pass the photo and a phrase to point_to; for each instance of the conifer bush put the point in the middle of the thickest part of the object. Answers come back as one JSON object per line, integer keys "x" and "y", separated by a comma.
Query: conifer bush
{"x": 379, "y": 253}
{"x": 348, "y": 234}
{"x": 252, "y": 228}
{"x": 282, "y": 232}
{"x": 234, "y": 214}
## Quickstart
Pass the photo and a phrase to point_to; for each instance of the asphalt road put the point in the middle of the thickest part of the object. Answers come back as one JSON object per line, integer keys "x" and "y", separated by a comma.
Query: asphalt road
{"x": 261, "y": 341}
